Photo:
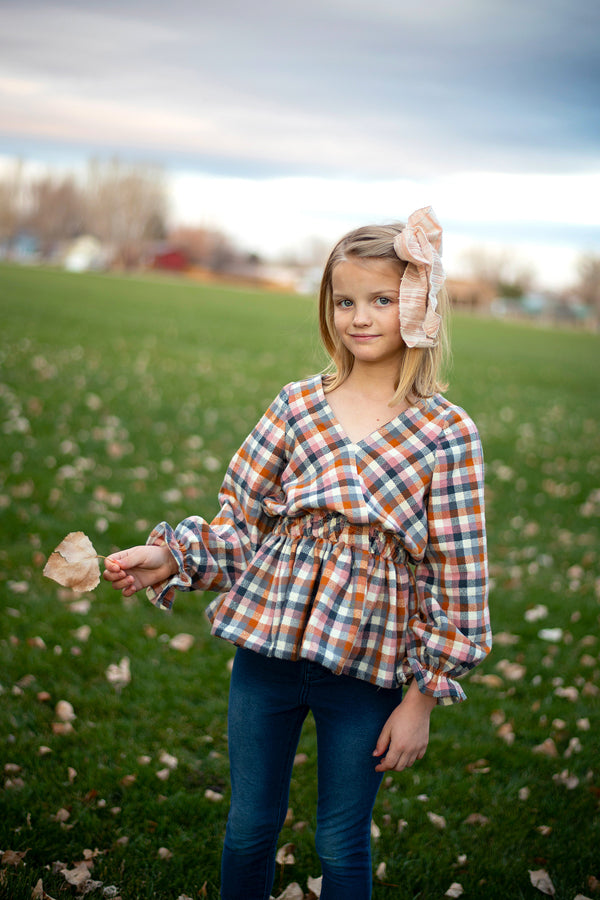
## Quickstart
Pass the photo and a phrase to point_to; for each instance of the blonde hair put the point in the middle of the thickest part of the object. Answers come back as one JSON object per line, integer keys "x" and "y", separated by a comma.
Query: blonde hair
{"x": 418, "y": 368}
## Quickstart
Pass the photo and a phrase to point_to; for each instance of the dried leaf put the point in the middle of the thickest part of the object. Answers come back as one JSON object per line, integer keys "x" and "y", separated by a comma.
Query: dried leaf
{"x": 381, "y": 872}
{"x": 13, "y": 857}
{"x": 164, "y": 853}
{"x": 64, "y": 711}
{"x": 546, "y": 748}
{"x": 292, "y": 892}
{"x": 74, "y": 563}
{"x": 455, "y": 890}
{"x": 476, "y": 819}
{"x": 285, "y": 855}
{"x": 541, "y": 880}
{"x": 119, "y": 675}
{"x": 77, "y": 876}
{"x": 437, "y": 821}
{"x": 315, "y": 885}
{"x": 214, "y": 796}
{"x": 38, "y": 892}
{"x": 169, "y": 761}
{"x": 182, "y": 642}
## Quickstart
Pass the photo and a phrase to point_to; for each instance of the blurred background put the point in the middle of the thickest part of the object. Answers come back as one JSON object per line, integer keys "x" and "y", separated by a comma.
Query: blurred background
{"x": 243, "y": 139}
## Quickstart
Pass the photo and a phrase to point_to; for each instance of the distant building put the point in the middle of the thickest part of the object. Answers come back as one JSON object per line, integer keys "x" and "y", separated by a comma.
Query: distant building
{"x": 170, "y": 259}
{"x": 84, "y": 254}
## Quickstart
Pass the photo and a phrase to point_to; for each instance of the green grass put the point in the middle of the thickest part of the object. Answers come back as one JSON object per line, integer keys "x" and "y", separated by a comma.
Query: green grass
{"x": 122, "y": 401}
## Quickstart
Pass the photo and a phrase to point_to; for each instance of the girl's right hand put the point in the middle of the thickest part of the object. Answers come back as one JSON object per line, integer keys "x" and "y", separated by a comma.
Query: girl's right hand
{"x": 139, "y": 567}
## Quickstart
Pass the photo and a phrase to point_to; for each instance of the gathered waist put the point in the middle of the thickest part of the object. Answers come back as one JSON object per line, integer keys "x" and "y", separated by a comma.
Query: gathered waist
{"x": 336, "y": 529}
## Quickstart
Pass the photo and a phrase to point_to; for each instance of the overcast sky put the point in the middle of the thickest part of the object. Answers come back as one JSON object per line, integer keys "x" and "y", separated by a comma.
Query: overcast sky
{"x": 289, "y": 118}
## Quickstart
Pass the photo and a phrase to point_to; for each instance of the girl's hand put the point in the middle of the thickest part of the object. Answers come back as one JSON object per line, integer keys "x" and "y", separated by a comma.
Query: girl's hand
{"x": 137, "y": 568}
{"x": 405, "y": 735}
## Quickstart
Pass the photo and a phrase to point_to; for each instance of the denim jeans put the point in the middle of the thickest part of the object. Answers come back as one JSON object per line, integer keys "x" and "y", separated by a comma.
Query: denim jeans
{"x": 269, "y": 700}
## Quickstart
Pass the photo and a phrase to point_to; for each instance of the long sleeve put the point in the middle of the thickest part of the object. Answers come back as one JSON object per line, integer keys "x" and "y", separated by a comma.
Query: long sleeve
{"x": 213, "y": 555}
{"x": 450, "y": 633}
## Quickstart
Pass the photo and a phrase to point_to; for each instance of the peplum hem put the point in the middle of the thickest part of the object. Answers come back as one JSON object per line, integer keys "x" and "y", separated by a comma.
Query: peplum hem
{"x": 324, "y": 589}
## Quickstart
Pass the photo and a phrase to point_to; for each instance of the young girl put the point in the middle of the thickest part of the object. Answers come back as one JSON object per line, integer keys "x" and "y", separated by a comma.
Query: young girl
{"x": 350, "y": 560}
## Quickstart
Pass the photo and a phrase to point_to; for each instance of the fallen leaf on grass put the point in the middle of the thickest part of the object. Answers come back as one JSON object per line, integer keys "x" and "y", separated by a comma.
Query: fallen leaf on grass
{"x": 546, "y": 748}
{"x": 14, "y": 857}
{"x": 64, "y": 711}
{"x": 62, "y": 728}
{"x": 455, "y": 890}
{"x": 292, "y": 892}
{"x": 285, "y": 855}
{"x": 169, "y": 761}
{"x": 182, "y": 642}
{"x": 38, "y": 892}
{"x": 119, "y": 675}
{"x": 437, "y": 821}
{"x": 476, "y": 819}
{"x": 74, "y": 563}
{"x": 315, "y": 885}
{"x": 565, "y": 778}
{"x": 542, "y": 881}
{"x": 78, "y": 875}
{"x": 164, "y": 853}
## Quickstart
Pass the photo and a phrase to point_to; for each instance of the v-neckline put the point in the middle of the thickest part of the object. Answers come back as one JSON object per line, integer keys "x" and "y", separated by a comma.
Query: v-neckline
{"x": 337, "y": 425}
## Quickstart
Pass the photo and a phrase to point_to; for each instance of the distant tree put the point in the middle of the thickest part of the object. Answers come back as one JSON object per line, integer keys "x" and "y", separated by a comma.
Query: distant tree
{"x": 12, "y": 187}
{"x": 588, "y": 287}
{"x": 56, "y": 210}
{"x": 205, "y": 247}
{"x": 126, "y": 206}
{"x": 501, "y": 269}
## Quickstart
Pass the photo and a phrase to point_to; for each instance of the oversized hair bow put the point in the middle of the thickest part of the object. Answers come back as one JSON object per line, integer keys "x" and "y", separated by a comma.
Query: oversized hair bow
{"x": 419, "y": 244}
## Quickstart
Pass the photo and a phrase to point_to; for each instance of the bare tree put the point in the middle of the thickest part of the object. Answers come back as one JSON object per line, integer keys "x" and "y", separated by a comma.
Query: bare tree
{"x": 56, "y": 211}
{"x": 588, "y": 287}
{"x": 205, "y": 247}
{"x": 12, "y": 187}
{"x": 509, "y": 275}
{"x": 126, "y": 206}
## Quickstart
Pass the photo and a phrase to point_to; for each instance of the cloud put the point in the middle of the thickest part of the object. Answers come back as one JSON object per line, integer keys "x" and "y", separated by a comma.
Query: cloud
{"x": 321, "y": 86}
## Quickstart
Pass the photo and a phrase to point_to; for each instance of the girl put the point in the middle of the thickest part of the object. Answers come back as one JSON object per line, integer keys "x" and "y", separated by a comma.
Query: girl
{"x": 349, "y": 556}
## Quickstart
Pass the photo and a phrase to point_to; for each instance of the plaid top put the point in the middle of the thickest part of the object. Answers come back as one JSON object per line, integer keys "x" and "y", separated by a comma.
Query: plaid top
{"x": 367, "y": 557}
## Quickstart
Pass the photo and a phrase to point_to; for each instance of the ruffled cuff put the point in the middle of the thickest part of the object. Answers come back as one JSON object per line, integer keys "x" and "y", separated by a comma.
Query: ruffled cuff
{"x": 439, "y": 685}
{"x": 162, "y": 594}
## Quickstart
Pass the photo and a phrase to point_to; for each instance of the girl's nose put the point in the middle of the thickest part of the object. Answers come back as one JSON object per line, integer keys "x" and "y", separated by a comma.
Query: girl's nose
{"x": 362, "y": 314}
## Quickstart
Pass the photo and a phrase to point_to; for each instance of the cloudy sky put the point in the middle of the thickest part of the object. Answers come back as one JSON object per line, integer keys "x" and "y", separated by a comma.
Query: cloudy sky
{"x": 282, "y": 120}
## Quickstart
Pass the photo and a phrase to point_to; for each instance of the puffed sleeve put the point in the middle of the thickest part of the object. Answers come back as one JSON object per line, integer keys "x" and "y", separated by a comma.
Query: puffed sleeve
{"x": 450, "y": 633}
{"x": 213, "y": 555}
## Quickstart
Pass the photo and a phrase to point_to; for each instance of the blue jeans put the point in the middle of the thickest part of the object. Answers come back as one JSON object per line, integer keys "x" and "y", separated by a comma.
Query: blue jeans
{"x": 269, "y": 700}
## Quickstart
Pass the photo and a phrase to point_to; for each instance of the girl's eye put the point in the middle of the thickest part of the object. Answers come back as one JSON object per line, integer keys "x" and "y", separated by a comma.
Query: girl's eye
{"x": 384, "y": 301}
{"x": 344, "y": 304}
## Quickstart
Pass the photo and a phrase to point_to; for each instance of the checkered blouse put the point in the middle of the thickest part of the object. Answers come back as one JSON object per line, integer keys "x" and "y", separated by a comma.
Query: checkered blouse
{"x": 367, "y": 557}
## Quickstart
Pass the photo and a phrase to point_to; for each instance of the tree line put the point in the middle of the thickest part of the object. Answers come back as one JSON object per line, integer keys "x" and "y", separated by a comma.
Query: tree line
{"x": 124, "y": 206}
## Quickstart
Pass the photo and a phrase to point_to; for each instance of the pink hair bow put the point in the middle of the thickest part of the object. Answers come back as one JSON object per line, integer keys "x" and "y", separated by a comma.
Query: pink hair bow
{"x": 419, "y": 244}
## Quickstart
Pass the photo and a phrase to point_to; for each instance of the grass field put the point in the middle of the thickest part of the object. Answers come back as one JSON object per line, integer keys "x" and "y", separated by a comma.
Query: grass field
{"x": 121, "y": 403}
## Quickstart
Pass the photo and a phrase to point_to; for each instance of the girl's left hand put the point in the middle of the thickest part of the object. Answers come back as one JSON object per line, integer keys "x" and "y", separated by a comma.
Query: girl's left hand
{"x": 405, "y": 735}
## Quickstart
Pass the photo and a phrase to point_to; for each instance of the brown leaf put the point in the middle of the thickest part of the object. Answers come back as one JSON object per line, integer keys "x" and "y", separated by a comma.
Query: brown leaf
{"x": 476, "y": 819}
{"x": 74, "y": 563}
{"x": 38, "y": 892}
{"x": 78, "y": 875}
{"x": 13, "y": 857}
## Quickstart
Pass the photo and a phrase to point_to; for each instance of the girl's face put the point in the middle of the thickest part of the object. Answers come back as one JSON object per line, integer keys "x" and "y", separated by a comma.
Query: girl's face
{"x": 365, "y": 303}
